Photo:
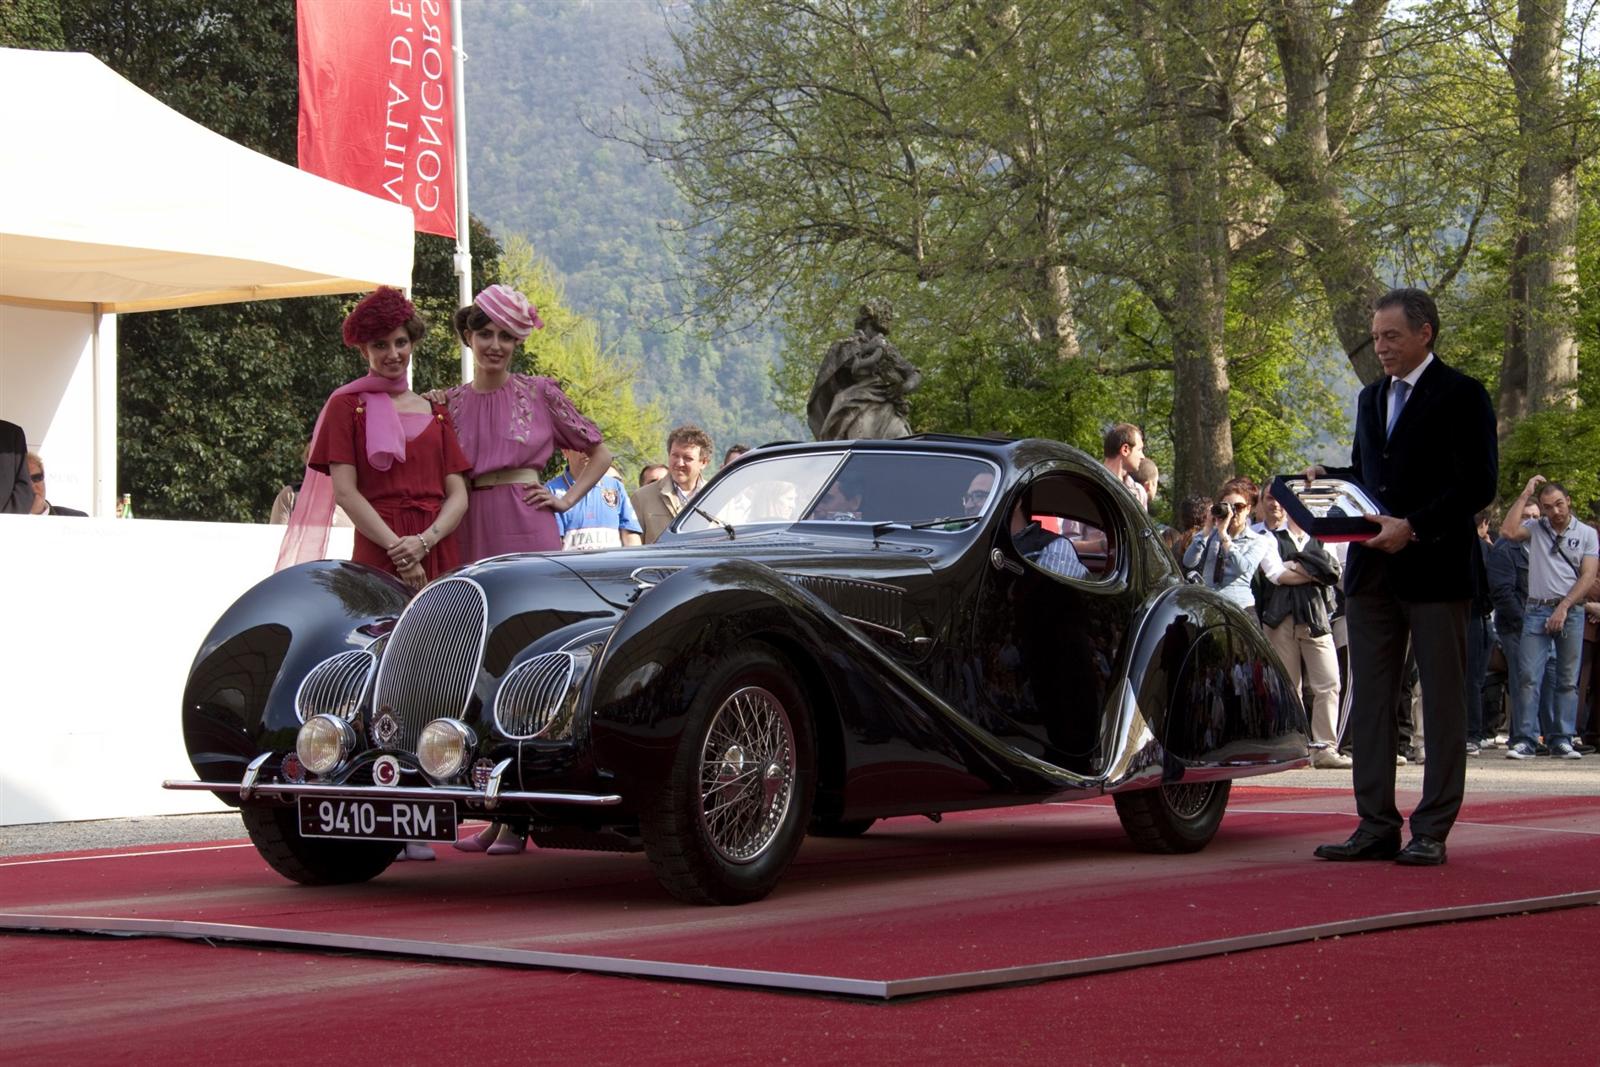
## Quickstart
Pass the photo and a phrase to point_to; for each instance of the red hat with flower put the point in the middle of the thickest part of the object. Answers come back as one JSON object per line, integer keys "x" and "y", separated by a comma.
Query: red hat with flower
{"x": 379, "y": 314}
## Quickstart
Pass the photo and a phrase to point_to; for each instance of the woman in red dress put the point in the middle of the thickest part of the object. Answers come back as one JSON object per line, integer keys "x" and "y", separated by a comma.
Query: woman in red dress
{"x": 393, "y": 457}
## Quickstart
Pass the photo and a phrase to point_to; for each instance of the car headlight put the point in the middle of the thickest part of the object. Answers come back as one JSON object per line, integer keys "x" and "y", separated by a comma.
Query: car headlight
{"x": 443, "y": 748}
{"x": 324, "y": 744}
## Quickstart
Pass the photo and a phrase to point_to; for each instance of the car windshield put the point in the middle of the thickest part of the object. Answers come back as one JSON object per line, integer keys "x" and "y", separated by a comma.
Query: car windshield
{"x": 871, "y": 487}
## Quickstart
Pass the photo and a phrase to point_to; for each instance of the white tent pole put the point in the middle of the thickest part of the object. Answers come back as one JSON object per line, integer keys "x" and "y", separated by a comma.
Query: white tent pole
{"x": 104, "y": 356}
{"x": 463, "y": 258}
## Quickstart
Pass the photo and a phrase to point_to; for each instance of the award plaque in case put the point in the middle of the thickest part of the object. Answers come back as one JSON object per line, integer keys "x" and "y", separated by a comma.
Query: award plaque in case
{"x": 1329, "y": 509}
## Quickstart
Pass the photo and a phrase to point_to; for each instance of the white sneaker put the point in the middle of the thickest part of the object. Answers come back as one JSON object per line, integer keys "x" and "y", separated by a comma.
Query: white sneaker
{"x": 1327, "y": 759}
{"x": 1564, "y": 750}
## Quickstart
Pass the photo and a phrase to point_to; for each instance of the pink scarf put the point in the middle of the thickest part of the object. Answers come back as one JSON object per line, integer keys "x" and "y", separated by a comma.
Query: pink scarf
{"x": 306, "y": 538}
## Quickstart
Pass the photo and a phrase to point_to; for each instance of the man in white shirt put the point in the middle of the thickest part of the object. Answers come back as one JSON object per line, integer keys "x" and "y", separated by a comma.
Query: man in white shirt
{"x": 1563, "y": 556}
{"x": 1294, "y": 616}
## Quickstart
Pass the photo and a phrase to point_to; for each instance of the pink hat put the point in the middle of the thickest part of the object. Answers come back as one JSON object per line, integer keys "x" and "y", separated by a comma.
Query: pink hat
{"x": 510, "y": 309}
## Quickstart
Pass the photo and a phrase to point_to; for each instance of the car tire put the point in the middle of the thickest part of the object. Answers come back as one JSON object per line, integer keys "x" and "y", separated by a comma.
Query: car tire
{"x": 275, "y": 832}
{"x": 1173, "y": 818}
{"x": 840, "y": 827}
{"x": 737, "y": 800}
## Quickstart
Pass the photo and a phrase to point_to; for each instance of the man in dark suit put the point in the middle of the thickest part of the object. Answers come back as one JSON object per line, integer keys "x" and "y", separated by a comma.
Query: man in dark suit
{"x": 1425, "y": 448}
{"x": 16, "y": 489}
{"x": 41, "y": 502}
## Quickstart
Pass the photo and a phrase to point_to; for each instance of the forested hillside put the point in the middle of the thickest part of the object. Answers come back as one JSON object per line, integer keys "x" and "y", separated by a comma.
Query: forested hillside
{"x": 537, "y": 72}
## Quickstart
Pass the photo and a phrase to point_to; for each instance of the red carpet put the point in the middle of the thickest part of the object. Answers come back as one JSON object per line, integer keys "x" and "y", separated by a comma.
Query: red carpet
{"x": 982, "y": 890}
{"x": 1474, "y": 993}
{"x": 990, "y": 889}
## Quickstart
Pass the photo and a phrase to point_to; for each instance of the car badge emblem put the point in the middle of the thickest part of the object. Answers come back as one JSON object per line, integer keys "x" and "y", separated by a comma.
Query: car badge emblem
{"x": 386, "y": 771}
{"x": 385, "y": 729}
{"x": 480, "y": 773}
{"x": 292, "y": 769}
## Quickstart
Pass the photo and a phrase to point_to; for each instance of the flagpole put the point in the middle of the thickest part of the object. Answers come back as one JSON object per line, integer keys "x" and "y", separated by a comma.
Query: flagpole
{"x": 463, "y": 257}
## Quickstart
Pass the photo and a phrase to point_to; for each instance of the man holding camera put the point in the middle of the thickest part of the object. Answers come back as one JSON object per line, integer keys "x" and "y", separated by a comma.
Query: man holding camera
{"x": 1425, "y": 448}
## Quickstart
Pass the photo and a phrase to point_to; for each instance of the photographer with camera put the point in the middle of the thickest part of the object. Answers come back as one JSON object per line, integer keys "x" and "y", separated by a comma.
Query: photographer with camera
{"x": 1226, "y": 551}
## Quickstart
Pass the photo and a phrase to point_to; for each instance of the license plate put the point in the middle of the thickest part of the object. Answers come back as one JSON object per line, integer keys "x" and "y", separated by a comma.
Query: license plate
{"x": 378, "y": 819}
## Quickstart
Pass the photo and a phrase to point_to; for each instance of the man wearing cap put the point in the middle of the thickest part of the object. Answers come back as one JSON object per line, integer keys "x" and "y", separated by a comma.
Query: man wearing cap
{"x": 658, "y": 503}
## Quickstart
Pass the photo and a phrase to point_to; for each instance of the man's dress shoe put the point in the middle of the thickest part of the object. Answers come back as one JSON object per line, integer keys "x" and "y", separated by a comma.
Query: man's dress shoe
{"x": 1422, "y": 852}
{"x": 1363, "y": 845}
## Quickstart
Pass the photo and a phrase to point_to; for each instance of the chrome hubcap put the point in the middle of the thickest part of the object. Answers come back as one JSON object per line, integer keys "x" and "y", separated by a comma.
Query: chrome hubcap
{"x": 747, "y": 774}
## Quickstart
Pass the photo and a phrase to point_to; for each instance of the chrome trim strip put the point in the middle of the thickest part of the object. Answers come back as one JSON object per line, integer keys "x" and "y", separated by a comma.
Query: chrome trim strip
{"x": 359, "y": 792}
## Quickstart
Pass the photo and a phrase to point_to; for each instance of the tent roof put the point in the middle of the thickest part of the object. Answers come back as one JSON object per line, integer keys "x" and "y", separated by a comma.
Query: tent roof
{"x": 114, "y": 199}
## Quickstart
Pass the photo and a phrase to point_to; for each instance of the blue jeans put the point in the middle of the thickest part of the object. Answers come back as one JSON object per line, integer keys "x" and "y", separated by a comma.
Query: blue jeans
{"x": 1511, "y": 645}
{"x": 1479, "y": 640}
{"x": 1537, "y": 652}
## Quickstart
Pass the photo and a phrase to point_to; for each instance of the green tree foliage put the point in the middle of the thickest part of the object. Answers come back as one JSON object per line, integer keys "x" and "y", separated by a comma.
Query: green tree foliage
{"x": 31, "y": 24}
{"x": 539, "y": 76}
{"x": 568, "y": 349}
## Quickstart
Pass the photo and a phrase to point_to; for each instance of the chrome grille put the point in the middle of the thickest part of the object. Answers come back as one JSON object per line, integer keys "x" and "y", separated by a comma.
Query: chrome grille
{"x": 335, "y": 686}
{"x": 432, "y": 658}
{"x": 532, "y": 694}
{"x": 868, "y": 602}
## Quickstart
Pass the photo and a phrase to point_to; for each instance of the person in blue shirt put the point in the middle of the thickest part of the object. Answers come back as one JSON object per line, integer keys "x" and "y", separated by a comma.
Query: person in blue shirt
{"x": 603, "y": 519}
{"x": 1226, "y": 552}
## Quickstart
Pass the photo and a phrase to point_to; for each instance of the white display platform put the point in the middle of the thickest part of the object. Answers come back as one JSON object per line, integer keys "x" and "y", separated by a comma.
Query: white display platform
{"x": 100, "y": 623}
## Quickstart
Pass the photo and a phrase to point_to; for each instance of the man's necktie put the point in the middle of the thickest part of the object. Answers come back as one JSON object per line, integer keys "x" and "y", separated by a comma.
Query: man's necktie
{"x": 1400, "y": 389}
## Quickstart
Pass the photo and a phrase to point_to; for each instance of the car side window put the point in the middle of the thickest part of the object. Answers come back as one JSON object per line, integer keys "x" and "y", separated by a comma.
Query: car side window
{"x": 1063, "y": 524}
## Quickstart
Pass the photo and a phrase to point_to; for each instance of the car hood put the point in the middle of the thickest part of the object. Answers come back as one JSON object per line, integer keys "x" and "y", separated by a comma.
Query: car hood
{"x": 617, "y": 575}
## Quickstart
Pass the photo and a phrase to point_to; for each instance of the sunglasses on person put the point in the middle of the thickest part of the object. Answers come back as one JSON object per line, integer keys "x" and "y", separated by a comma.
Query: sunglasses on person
{"x": 36, "y": 478}
{"x": 1237, "y": 505}
{"x": 972, "y": 500}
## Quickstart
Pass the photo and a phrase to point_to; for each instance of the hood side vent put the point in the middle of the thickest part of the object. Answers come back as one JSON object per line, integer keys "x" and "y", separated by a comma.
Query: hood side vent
{"x": 869, "y": 603}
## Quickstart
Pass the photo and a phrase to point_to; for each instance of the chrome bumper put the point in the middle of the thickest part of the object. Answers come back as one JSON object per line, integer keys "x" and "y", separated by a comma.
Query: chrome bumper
{"x": 489, "y": 799}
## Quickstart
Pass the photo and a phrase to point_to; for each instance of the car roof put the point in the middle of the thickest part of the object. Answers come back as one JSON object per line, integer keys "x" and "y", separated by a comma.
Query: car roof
{"x": 1012, "y": 453}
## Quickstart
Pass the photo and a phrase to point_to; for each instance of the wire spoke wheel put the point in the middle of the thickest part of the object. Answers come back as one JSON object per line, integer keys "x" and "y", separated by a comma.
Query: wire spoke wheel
{"x": 1188, "y": 800}
{"x": 747, "y": 774}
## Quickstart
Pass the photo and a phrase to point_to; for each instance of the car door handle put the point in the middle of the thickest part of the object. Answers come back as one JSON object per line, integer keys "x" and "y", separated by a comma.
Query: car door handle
{"x": 1002, "y": 563}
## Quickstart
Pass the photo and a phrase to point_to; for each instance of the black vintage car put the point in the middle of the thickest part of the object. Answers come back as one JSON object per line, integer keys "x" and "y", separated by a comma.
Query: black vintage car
{"x": 829, "y": 634}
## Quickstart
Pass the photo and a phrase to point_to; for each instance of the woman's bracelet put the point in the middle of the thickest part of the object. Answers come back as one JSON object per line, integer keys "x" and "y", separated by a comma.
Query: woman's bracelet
{"x": 426, "y": 548}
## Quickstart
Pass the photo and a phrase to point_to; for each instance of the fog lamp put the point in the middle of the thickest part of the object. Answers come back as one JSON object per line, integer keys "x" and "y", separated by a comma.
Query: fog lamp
{"x": 443, "y": 748}
{"x": 324, "y": 744}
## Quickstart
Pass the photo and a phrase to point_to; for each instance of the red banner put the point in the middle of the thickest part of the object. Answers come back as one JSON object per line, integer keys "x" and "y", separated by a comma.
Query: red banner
{"x": 377, "y": 102}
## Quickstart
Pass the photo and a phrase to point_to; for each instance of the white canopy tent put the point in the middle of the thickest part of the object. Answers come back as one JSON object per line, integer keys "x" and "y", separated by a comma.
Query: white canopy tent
{"x": 115, "y": 202}
{"x": 112, "y": 202}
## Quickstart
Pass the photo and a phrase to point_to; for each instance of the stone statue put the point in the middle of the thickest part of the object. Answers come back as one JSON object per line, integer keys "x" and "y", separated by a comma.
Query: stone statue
{"x": 862, "y": 385}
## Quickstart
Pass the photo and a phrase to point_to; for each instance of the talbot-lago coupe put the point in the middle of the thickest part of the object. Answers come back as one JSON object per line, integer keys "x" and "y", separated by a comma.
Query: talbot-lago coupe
{"x": 828, "y": 635}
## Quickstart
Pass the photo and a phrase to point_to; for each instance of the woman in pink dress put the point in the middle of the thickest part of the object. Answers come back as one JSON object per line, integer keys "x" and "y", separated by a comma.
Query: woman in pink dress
{"x": 509, "y": 425}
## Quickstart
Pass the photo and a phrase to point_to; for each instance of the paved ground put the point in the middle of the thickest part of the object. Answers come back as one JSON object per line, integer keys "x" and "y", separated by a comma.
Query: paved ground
{"x": 1490, "y": 772}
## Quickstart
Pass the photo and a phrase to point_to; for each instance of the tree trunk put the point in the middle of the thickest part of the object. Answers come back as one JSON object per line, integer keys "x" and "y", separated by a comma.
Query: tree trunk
{"x": 1324, "y": 89}
{"x": 1202, "y": 432}
{"x": 1544, "y": 273}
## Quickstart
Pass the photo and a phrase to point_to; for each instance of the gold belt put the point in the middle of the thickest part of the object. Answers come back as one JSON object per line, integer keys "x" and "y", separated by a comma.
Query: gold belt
{"x": 509, "y": 476}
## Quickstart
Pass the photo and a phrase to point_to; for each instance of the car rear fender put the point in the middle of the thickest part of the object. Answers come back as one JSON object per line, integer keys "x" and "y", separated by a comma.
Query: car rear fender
{"x": 1210, "y": 689}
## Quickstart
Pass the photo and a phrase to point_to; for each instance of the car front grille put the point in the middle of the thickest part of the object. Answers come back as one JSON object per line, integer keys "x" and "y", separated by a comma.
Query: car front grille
{"x": 335, "y": 686}
{"x": 532, "y": 694}
{"x": 431, "y": 661}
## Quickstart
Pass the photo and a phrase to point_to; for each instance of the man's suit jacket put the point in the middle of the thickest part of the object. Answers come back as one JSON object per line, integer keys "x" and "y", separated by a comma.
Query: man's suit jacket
{"x": 16, "y": 487}
{"x": 1438, "y": 470}
{"x": 656, "y": 504}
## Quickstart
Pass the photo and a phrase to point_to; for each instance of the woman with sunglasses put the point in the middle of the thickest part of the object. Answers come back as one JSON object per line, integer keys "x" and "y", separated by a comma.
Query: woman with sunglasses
{"x": 1227, "y": 552}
